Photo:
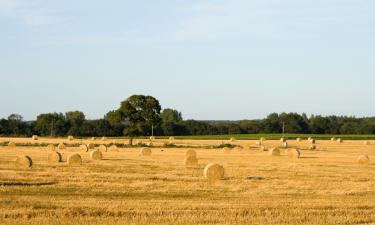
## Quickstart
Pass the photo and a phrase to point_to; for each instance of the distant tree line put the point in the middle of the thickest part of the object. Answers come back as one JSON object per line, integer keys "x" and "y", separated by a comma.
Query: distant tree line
{"x": 142, "y": 116}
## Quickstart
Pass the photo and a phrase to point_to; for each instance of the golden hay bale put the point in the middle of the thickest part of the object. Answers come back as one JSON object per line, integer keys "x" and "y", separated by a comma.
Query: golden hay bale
{"x": 226, "y": 150}
{"x": 262, "y": 139}
{"x": 312, "y": 147}
{"x": 90, "y": 146}
{"x": 214, "y": 172}
{"x": 23, "y": 162}
{"x": 113, "y": 148}
{"x": 293, "y": 153}
{"x": 51, "y": 147}
{"x": 70, "y": 138}
{"x": 152, "y": 138}
{"x": 333, "y": 139}
{"x": 103, "y": 148}
{"x": 263, "y": 148}
{"x": 285, "y": 145}
{"x": 366, "y": 143}
{"x": 84, "y": 147}
{"x": 96, "y": 155}
{"x": 191, "y": 153}
{"x": 12, "y": 144}
{"x": 364, "y": 159}
{"x": 171, "y": 138}
{"x": 146, "y": 151}
{"x": 93, "y": 138}
{"x": 312, "y": 141}
{"x": 61, "y": 146}
{"x": 191, "y": 161}
{"x": 339, "y": 140}
{"x": 54, "y": 157}
{"x": 282, "y": 139}
{"x": 232, "y": 139}
{"x": 34, "y": 137}
{"x": 258, "y": 143}
{"x": 74, "y": 160}
{"x": 298, "y": 139}
{"x": 274, "y": 152}
{"x": 104, "y": 138}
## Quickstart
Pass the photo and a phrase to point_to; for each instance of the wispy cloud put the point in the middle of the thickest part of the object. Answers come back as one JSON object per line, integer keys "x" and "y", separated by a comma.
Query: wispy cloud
{"x": 27, "y": 12}
{"x": 238, "y": 19}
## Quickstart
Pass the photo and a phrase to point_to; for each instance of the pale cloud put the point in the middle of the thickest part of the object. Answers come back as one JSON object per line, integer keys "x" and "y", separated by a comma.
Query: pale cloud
{"x": 27, "y": 12}
{"x": 242, "y": 19}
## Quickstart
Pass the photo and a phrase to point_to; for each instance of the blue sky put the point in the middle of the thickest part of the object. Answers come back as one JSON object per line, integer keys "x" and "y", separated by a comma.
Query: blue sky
{"x": 238, "y": 59}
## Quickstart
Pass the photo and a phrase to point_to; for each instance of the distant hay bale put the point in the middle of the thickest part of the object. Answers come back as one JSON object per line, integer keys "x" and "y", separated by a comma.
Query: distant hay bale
{"x": 90, "y": 146}
{"x": 232, "y": 139}
{"x": 258, "y": 143}
{"x": 363, "y": 159}
{"x": 24, "y": 162}
{"x": 61, "y": 146}
{"x": 312, "y": 141}
{"x": 146, "y": 152}
{"x": 262, "y": 139}
{"x": 214, "y": 172}
{"x": 150, "y": 144}
{"x": 339, "y": 140}
{"x": 103, "y": 148}
{"x": 54, "y": 157}
{"x": 298, "y": 139}
{"x": 191, "y": 161}
{"x": 113, "y": 148}
{"x": 366, "y": 143}
{"x": 84, "y": 147}
{"x": 226, "y": 150}
{"x": 152, "y": 138}
{"x": 96, "y": 155}
{"x": 333, "y": 139}
{"x": 74, "y": 160}
{"x": 263, "y": 148}
{"x": 190, "y": 153}
{"x": 282, "y": 139}
{"x": 285, "y": 145}
{"x": 104, "y": 138}
{"x": 274, "y": 152}
{"x": 34, "y": 137}
{"x": 51, "y": 147}
{"x": 12, "y": 144}
{"x": 93, "y": 138}
{"x": 312, "y": 147}
{"x": 70, "y": 138}
{"x": 294, "y": 153}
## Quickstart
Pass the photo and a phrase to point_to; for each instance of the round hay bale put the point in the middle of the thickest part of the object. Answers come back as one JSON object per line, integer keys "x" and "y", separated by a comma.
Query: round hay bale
{"x": 103, "y": 148}
{"x": 293, "y": 153}
{"x": 146, "y": 151}
{"x": 54, "y": 157}
{"x": 191, "y": 161}
{"x": 282, "y": 139}
{"x": 274, "y": 152}
{"x": 366, "y": 143}
{"x": 339, "y": 140}
{"x": 262, "y": 139}
{"x": 298, "y": 139}
{"x": 171, "y": 138}
{"x": 93, "y": 138}
{"x": 113, "y": 148}
{"x": 190, "y": 153}
{"x": 333, "y": 139}
{"x": 312, "y": 147}
{"x": 96, "y": 155}
{"x": 24, "y": 162}
{"x": 12, "y": 144}
{"x": 74, "y": 160}
{"x": 90, "y": 146}
{"x": 70, "y": 138}
{"x": 104, "y": 138}
{"x": 226, "y": 150}
{"x": 34, "y": 137}
{"x": 232, "y": 139}
{"x": 152, "y": 138}
{"x": 51, "y": 147}
{"x": 61, "y": 146}
{"x": 214, "y": 172}
{"x": 84, "y": 147}
{"x": 258, "y": 143}
{"x": 363, "y": 159}
{"x": 312, "y": 141}
{"x": 263, "y": 148}
{"x": 285, "y": 145}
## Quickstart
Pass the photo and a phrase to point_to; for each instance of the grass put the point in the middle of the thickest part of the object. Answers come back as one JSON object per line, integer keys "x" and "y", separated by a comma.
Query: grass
{"x": 325, "y": 186}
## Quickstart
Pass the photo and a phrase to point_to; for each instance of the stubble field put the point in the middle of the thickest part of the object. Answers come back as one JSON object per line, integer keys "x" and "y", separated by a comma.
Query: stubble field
{"x": 323, "y": 186}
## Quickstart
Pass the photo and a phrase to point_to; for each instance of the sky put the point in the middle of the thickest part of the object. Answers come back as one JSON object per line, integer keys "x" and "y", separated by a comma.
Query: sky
{"x": 211, "y": 60}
